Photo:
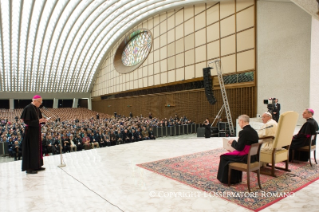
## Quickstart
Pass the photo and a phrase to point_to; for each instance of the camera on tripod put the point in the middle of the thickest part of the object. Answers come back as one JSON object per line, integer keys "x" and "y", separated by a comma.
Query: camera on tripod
{"x": 270, "y": 104}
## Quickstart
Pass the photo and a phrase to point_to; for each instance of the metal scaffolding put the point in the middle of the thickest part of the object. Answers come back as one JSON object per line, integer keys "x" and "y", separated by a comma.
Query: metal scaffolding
{"x": 224, "y": 96}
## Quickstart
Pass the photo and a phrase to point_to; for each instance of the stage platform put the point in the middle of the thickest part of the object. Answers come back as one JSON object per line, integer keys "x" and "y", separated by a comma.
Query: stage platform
{"x": 107, "y": 179}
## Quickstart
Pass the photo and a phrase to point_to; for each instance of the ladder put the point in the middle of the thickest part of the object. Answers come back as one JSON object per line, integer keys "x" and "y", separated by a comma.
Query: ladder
{"x": 218, "y": 114}
{"x": 224, "y": 96}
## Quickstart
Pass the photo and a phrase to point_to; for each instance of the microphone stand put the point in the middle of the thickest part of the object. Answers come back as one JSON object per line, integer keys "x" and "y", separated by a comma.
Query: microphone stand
{"x": 267, "y": 127}
{"x": 61, "y": 158}
{"x": 62, "y": 164}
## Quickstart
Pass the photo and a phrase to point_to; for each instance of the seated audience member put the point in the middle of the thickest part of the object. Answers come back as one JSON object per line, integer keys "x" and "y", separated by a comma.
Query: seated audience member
{"x": 145, "y": 134}
{"x": 107, "y": 140}
{"x": 57, "y": 145}
{"x": 247, "y": 137}
{"x": 19, "y": 139}
{"x": 113, "y": 138}
{"x": 151, "y": 134}
{"x": 78, "y": 142}
{"x": 66, "y": 144}
{"x": 133, "y": 135}
{"x": 11, "y": 146}
{"x": 268, "y": 129}
{"x": 139, "y": 135}
{"x": 72, "y": 143}
{"x": 86, "y": 142}
{"x": 44, "y": 144}
{"x": 102, "y": 141}
{"x": 126, "y": 136}
{"x": 301, "y": 139}
{"x": 93, "y": 141}
{"x": 17, "y": 150}
{"x": 119, "y": 137}
{"x": 4, "y": 138}
{"x": 49, "y": 144}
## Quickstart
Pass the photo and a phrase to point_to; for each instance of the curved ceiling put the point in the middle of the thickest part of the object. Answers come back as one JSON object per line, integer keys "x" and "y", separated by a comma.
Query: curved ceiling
{"x": 57, "y": 45}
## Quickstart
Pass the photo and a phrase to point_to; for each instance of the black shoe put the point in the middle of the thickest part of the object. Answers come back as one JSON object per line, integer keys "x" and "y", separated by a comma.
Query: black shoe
{"x": 31, "y": 172}
{"x": 41, "y": 169}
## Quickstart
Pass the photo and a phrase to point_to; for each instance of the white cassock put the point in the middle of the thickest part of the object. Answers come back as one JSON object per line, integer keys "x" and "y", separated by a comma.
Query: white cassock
{"x": 264, "y": 132}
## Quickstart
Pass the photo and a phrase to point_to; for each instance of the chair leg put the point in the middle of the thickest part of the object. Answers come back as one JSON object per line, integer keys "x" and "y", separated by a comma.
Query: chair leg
{"x": 248, "y": 181}
{"x": 258, "y": 175}
{"x": 310, "y": 158}
{"x": 229, "y": 175}
{"x": 314, "y": 154}
{"x": 273, "y": 170}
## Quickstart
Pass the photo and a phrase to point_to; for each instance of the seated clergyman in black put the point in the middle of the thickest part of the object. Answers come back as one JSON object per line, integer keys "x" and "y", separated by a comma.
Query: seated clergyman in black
{"x": 247, "y": 137}
{"x": 301, "y": 139}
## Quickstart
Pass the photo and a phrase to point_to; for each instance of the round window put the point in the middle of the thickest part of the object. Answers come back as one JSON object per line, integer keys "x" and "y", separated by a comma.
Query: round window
{"x": 133, "y": 50}
{"x": 137, "y": 49}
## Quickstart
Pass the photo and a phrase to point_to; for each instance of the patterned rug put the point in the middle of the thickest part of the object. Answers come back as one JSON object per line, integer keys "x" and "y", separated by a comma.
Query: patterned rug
{"x": 199, "y": 170}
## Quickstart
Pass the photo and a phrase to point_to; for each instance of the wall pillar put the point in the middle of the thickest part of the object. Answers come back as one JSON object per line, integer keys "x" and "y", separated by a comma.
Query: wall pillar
{"x": 55, "y": 103}
{"x": 75, "y": 103}
{"x": 11, "y": 104}
{"x": 90, "y": 103}
{"x": 314, "y": 68}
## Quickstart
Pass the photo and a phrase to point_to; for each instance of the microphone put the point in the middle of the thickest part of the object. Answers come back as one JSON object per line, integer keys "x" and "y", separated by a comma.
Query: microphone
{"x": 270, "y": 126}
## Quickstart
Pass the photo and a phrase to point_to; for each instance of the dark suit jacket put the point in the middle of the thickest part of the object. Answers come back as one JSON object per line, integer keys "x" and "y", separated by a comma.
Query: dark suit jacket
{"x": 247, "y": 136}
{"x": 113, "y": 137}
{"x": 277, "y": 109}
{"x": 67, "y": 139}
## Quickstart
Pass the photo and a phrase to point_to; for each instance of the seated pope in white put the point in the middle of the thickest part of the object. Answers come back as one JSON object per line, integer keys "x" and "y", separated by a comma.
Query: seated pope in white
{"x": 268, "y": 129}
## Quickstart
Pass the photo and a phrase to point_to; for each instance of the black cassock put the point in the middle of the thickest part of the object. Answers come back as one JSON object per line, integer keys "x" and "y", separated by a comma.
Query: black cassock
{"x": 301, "y": 139}
{"x": 207, "y": 131}
{"x": 32, "y": 157}
{"x": 247, "y": 137}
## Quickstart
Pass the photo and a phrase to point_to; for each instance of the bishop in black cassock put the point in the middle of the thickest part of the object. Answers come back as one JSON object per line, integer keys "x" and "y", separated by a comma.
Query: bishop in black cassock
{"x": 302, "y": 138}
{"x": 32, "y": 157}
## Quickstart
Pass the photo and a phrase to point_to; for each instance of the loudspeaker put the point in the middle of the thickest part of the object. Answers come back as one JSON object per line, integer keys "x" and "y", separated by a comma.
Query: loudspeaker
{"x": 200, "y": 132}
{"x": 208, "y": 85}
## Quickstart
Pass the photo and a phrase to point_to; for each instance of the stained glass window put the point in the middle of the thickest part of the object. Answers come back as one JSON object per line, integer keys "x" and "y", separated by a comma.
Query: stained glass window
{"x": 137, "y": 49}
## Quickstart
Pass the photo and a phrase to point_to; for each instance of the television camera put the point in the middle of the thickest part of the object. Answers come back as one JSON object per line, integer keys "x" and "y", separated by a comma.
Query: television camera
{"x": 270, "y": 104}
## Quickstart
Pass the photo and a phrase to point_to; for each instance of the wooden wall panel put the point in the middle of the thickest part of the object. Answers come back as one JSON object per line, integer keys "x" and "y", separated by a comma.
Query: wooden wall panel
{"x": 191, "y": 103}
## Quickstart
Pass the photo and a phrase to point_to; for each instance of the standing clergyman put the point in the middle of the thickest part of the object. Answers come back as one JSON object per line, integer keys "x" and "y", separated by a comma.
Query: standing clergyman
{"x": 32, "y": 156}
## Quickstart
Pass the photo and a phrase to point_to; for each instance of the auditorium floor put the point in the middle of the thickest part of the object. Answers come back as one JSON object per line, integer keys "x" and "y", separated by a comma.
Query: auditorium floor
{"x": 107, "y": 179}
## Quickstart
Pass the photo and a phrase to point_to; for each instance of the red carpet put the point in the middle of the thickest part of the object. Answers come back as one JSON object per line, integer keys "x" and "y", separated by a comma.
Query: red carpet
{"x": 199, "y": 170}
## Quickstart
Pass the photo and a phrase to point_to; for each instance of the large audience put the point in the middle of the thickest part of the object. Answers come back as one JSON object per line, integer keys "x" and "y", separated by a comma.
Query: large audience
{"x": 70, "y": 129}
